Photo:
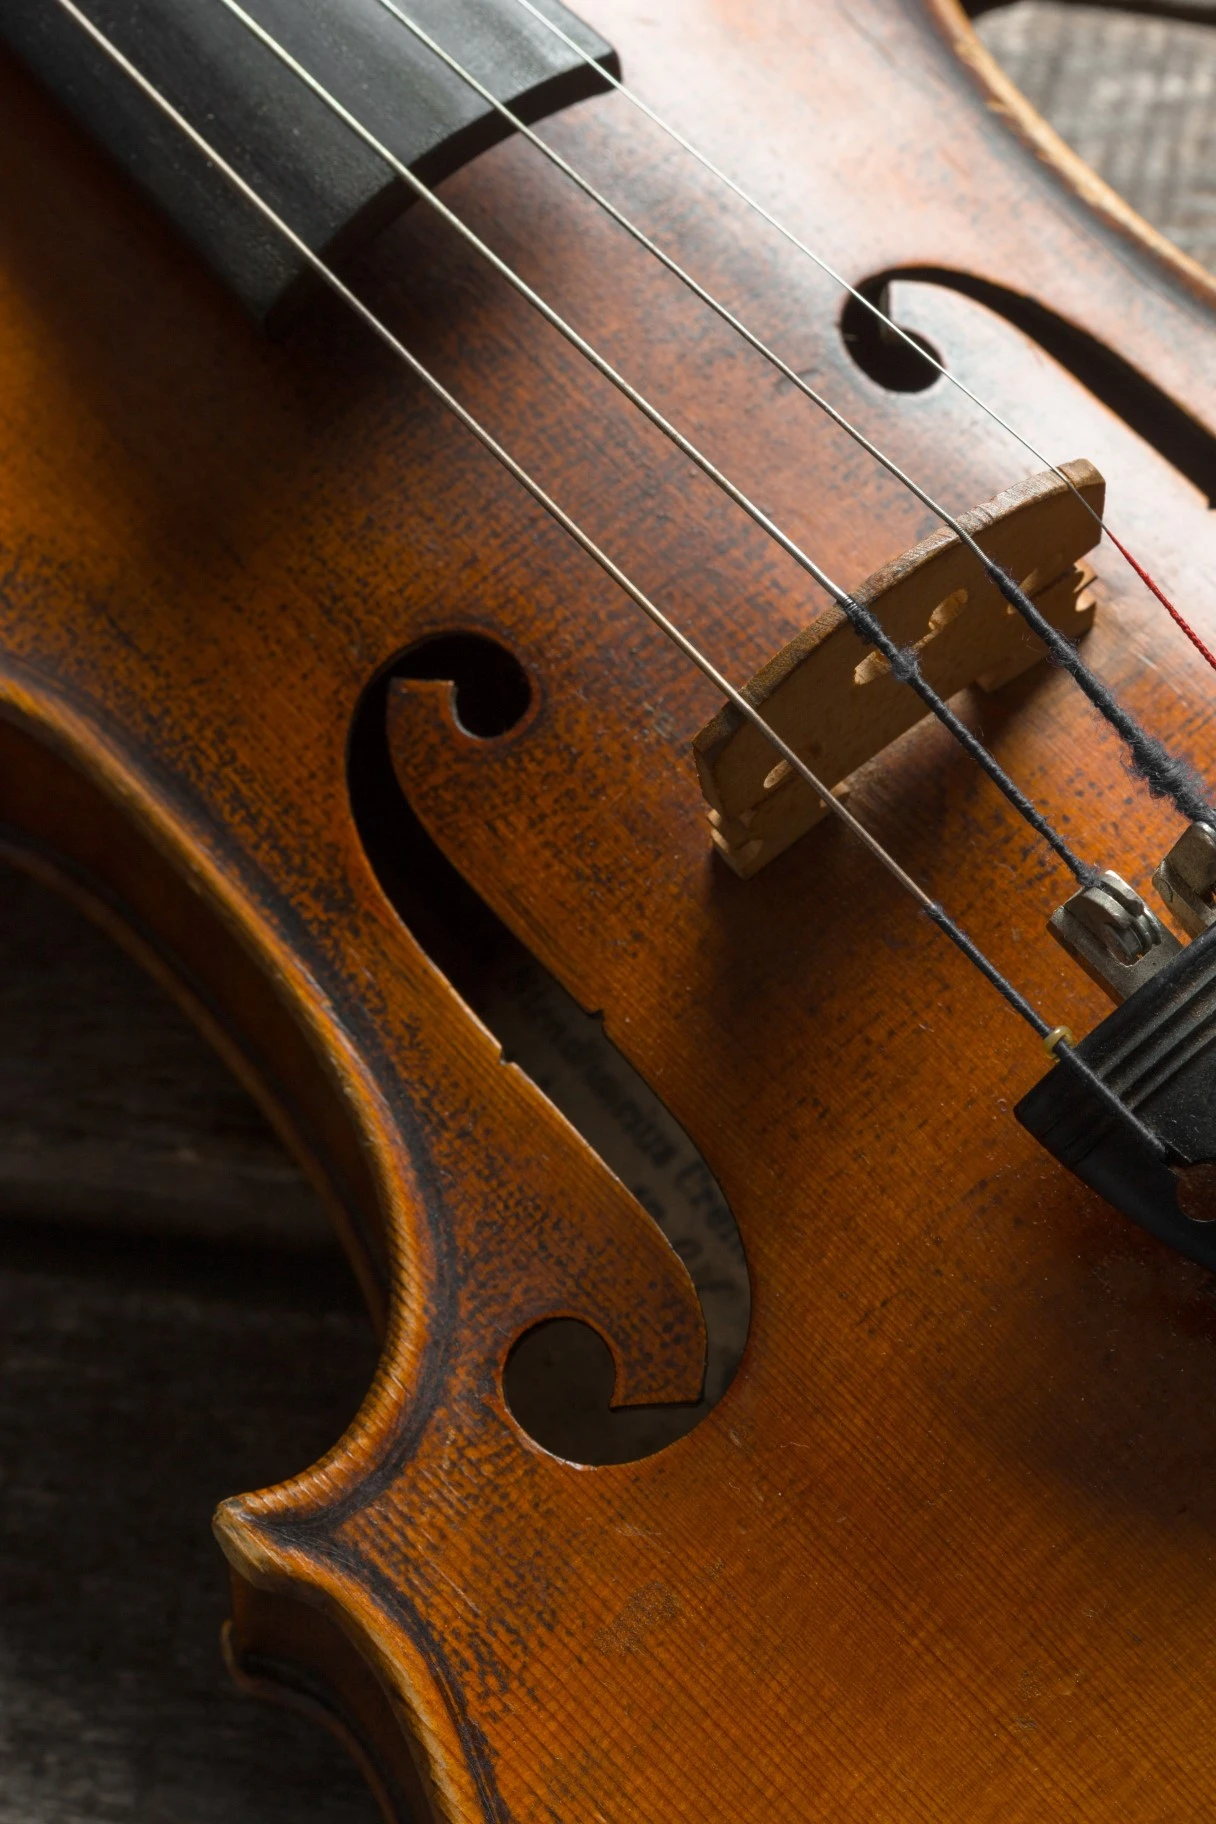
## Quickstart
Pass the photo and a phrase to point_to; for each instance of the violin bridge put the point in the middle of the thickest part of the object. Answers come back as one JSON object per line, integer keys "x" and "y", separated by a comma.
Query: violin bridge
{"x": 833, "y": 699}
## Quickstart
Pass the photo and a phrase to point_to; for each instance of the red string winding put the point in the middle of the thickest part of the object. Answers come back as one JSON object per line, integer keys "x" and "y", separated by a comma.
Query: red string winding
{"x": 1164, "y": 599}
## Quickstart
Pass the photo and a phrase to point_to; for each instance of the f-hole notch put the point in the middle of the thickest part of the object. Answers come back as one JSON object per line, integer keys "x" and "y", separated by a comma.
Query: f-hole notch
{"x": 491, "y": 691}
{"x": 558, "y": 1376}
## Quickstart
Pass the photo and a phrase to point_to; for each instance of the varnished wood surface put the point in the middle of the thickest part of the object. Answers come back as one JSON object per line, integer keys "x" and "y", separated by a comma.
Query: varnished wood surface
{"x": 942, "y": 1548}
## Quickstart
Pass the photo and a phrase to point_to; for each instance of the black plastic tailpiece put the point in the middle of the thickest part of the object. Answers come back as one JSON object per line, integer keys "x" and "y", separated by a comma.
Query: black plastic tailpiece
{"x": 1158, "y": 1052}
{"x": 306, "y": 163}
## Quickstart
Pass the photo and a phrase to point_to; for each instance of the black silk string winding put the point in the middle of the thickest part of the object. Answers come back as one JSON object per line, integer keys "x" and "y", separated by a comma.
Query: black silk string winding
{"x": 905, "y": 665}
{"x": 903, "y": 660}
{"x": 1164, "y": 774}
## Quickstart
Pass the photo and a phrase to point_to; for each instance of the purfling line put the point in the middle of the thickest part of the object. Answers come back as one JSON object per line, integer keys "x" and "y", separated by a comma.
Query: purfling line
{"x": 1165, "y": 775}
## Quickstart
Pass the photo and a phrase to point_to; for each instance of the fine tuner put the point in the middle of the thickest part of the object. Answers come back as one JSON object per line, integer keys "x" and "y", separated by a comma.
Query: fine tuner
{"x": 839, "y": 704}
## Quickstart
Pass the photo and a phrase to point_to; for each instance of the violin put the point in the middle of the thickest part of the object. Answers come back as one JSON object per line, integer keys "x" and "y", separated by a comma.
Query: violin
{"x": 677, "y": 566}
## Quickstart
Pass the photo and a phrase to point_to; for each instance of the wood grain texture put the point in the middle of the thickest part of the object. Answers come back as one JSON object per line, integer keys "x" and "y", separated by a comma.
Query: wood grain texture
{"x": 294, "y": 150}
{"x": 942, "y": 1549}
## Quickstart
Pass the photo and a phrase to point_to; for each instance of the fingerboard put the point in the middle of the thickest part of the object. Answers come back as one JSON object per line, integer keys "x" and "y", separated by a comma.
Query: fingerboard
{"x": 307, "y": 163}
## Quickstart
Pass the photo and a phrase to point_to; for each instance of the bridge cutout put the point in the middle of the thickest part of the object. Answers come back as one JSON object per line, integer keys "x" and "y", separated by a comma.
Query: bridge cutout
{"x": 836, "y": 701}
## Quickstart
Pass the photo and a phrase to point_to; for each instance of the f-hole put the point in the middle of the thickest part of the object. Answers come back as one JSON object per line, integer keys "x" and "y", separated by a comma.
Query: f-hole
{"x": 558, "y": 1377}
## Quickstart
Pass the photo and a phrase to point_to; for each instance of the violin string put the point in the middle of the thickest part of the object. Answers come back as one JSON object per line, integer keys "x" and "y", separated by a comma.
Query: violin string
{"x": 904, "y": 661}
{"x": 1150, "y": 761}
{"x": 1061, "y": 1049}
{"x": 680, "y": 272}
{"x": 881, "y": 316}
{"x": 659, "y": 619}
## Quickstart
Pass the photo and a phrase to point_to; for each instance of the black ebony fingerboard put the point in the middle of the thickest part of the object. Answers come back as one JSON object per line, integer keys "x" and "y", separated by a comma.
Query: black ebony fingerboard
{"x": 312, "y": 168}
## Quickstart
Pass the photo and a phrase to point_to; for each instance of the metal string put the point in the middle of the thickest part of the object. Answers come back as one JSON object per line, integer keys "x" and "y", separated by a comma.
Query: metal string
{"x": 838, "y": 278}
{"x": 1150, "y": 760}
{"x": 935, "y": 912}
{"x": 659, "y": 253}
{"x": 903, "y": 660}
{"x": 876, "y": 311}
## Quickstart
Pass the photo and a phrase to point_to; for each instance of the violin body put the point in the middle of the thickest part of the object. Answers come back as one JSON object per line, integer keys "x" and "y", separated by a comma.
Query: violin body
{"x": 942, "y": 1549}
